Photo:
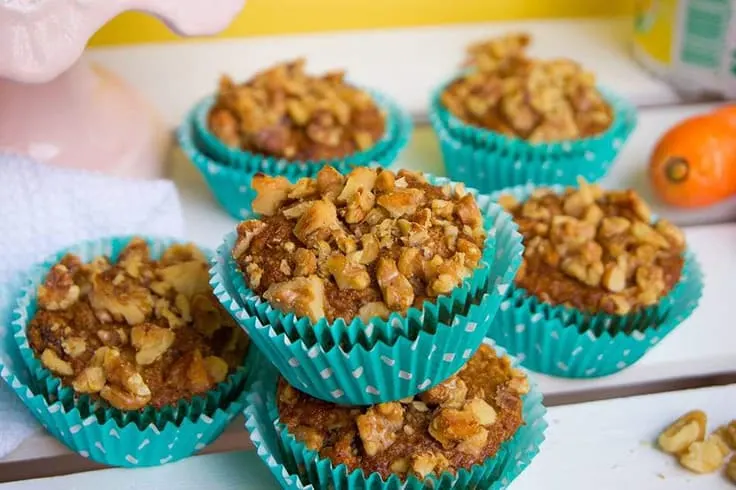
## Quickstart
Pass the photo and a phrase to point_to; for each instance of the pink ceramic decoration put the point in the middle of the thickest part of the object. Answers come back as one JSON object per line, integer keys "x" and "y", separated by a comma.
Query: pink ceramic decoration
{"x": 63, "y": 111}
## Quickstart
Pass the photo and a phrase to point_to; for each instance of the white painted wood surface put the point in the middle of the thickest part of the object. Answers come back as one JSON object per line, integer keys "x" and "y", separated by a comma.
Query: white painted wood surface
{"x": 405, "y": 63}
{"x": 606, "y": 445}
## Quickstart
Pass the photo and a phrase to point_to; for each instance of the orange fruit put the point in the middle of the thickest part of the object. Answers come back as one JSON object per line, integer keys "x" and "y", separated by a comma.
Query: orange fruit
{"x": 694, "y": 163}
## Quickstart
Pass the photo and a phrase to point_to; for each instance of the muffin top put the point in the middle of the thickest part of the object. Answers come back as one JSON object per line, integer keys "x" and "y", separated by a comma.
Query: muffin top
{"x": 361, "y": 245}
{"x": 286, "y": 113}
{"x": 595, "y": 250}
{"x": 537, "y": 100}
{"x": 457, "y": 424}
{"x": 137, "y": 332}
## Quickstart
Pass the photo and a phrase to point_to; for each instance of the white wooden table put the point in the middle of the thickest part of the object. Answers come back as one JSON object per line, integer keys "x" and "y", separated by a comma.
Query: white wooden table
{"x": 588, "y": 441}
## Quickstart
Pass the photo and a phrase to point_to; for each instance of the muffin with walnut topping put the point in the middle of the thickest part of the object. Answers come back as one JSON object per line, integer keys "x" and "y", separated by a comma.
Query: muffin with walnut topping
{"x": 129, "y": 330}
{"x": 512, "y": 119}
{"x": 599, "y": 270}
{"x": 478, "y": 427}
{"x": 341, "y": 262}
{"x": 285, "y": 121}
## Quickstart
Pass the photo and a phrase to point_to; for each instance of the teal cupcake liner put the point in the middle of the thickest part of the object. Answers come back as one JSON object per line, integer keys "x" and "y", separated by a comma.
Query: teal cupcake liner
{"x": 231, "y": 187}
{"x": 566, "y": 342}
{"x": 95, "y": 430}
{"x": 360, "y": 363}
{"x": 230, "y": 181}
{"x": 492, "y": 161}
{"x": 501, "y": 257}
{"x": 294, "y": 465}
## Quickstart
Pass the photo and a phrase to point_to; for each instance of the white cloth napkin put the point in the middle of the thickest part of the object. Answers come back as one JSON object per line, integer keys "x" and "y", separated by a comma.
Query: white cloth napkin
{"x": 45, "y": 208}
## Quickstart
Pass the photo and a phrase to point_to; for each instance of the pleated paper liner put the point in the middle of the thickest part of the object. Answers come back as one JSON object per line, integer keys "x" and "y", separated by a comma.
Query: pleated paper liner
{"x": 491, "y": 160}
{"x": 398, "y": 129}
{"x": 293, "y": 465}
{"x": 381, "y": 361}
{"x": 501, "y": 256}
{"x": 93, "y": 428}
{"x": 563, "y": 341}
{"x": 231, "y": 184}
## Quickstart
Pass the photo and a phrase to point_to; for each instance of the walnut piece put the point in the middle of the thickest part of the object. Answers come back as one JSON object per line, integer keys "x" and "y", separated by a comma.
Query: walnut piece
{"x": 687, "y": 429}
{"x": 270, "y": 193}
{"x": 150, "y": 342}
{"x": 450, "y": 393}
{"x": 424, "y": 464}
{"x": 348, "y": 274}
{"x": 58, "y": 291}
{"x": 378, "y": 425}
{"x": 91, "y": 380}
{"x": 731, "y": 469}
{"x": 217, "y": 368}
{"x": 704, "y": 456}
{"x": 398, "y": 293}
{"x": 401, "y": 202}
{"x": 247, "y": 230}
{"x": 376, "y": 309}
{"x": 304, "y": 296}
{"x": 728, "y": 434}
{"x": 74, "y": 346}
{"x": 321, "y": 216}
{"x": 188, "y": 278}
{"x": 450, "y": 426}
{"x": 55, "y": 364}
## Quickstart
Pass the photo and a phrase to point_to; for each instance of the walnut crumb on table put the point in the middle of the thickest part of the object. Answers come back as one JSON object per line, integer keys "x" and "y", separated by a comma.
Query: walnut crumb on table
{"x": 686, "y": 438}
{"x": 538, "y": 100}
{"x": 361, "y": 245}
{"x": 138, "y": 332}
{"x": 287, "y": 113}
{"x": 595, "y": 250}
{"x": 458, "y": 423}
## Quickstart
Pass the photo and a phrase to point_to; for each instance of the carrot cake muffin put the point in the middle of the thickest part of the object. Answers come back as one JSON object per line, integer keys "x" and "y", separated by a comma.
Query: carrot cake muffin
{"x": 286, "y": 113}
{"x": 137, "y": 332}
{"x": 361, "y": 245}
{"x": 596, "y": 250}
{"x": 508, "y": 92}
{"x": 457, "y": 424}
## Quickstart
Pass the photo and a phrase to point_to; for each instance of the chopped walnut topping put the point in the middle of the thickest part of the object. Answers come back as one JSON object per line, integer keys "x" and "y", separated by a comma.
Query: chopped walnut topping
{"x": 401, "y": 202}
{"x": 370, "y": 237}
{"x": 424, "y": 464}
{"x": 303, "y": 295}
{"x": 151, "y": 342}
{"x": 590, "y": 249}
{"x": 320, "y": 217}
{"x": 450, "y": 393}
{"x": 54, "y": 363}
{"x": 378, "y": 426}
{"x": 270, "y": 193}
{"x": 91, "y": 380}
{"x": 538, "y": 100}
{"x": 396, "y": 288}
{"x": 348, "y": 274}
{"x": 130, "y": 335}
{"x": 286, "y": 113}
{"x": 376, "y": 309}
{"x": 411, "y": 437}
{"x": 58, "y": 291}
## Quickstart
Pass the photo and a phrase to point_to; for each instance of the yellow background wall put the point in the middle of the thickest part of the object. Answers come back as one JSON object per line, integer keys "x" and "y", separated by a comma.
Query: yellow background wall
{"x": 263, "y": 17}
